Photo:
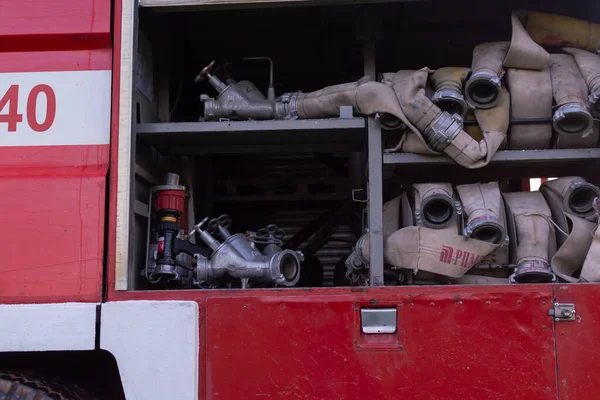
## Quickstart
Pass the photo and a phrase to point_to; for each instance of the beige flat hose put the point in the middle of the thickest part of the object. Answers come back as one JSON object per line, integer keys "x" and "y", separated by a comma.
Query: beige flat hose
{"x": 572, "y": 115}
{"x": 448, "y": 84}
{"x": 558, "y": 30}
{"x": 434, "y": 205}
{"x": 535, "y": 241}
{"x": 571, "y": 255}
{"x": 575, "y": 193}
{"x": 589, "y": 66}
{"x": 531, "y": 97}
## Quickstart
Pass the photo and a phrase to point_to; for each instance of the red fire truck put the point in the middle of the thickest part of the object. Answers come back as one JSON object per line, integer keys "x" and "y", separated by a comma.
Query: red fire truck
{"x": 108, "y": 166}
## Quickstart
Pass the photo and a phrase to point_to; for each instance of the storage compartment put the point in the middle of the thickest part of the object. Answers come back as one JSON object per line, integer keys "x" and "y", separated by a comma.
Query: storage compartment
{"x": 237, "y": 186}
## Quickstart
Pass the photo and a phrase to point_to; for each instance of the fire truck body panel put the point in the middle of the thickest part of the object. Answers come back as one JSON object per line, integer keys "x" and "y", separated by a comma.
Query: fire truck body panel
{"x": 65, "y": 191}
{"x": 54, "y": 148}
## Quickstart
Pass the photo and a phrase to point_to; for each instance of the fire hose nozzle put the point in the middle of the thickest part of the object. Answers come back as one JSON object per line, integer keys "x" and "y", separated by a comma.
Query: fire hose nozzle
{"x": 442, "y": 131}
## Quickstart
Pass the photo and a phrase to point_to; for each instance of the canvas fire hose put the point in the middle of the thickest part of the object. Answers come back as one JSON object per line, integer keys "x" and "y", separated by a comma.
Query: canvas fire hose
{"x": 535, "y": 241}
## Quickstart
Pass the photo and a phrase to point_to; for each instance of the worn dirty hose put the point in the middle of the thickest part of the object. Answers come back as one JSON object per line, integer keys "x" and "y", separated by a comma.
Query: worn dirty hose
{"x": 589, "y": 65}
{"x": 576, "y": 194}
{"x": 483, "y": 87}
{"x": 531, "y": 97}
{"x": 572, "y": 116}
{"x": 536, "y": 242}
{"x": 558, "y": 30}
{"x": 434, "y": 205}
{"x": 448, "y": 83}
{"x": 483, "y": 205}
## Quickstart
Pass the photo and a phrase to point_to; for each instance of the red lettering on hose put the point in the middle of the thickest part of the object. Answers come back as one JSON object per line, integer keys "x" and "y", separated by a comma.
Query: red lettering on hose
{"x": 446, "y": 256}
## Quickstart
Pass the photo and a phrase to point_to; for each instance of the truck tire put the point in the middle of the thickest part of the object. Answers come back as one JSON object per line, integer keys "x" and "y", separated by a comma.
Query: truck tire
{"x": 21, "y": 386}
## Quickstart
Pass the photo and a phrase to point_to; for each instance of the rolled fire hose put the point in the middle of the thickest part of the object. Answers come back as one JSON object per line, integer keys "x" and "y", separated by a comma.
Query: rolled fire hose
{"x": 448, "y": 84}
{"x": 531, "y": 97}
{"x": 591, "y": 266}
{"x": 389, "y": 121}
{"x": 524, "y": 53}
{"x": 444, "y": 133}
{"x": 360, "y": 257}
{"x": 483, "y": 206}
{"x": 572, "y": 116}
{"x": 440, "y": 251}
{"x": 483, "y": 87}
{"x": 575, "y": 193}
{"x": 434, "y": 205}
{"x": 441, "y": 132}
{"x": 571, "y": 255}
{"x": 535, "y": 240}
{"x": 576, "y": 142}
{"x": 557, "y": 30}
{"x": 589, "y": 66}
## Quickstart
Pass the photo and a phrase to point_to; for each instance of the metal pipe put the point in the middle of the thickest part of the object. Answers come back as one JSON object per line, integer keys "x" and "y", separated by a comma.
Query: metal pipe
{"x": 271, "y": 89}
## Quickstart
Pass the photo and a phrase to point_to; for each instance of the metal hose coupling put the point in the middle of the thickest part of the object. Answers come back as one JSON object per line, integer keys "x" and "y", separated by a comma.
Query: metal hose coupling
{"x": 486, "y": 228}
{"x": 286, "y": 106}
{"x": 442, "y": 131}
{"x": 533, "y": 271}
{"x": 482, "y": 90}
{"x": 448, "y": 96}
{"x": 573, "y": 119}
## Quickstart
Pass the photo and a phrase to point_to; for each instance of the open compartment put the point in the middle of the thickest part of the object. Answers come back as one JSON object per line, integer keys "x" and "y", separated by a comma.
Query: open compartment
{"x": 223, "y": 166}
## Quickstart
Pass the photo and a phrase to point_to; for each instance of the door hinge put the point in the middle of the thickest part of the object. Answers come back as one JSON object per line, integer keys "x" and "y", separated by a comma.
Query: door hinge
{"x": 563, "y": 312}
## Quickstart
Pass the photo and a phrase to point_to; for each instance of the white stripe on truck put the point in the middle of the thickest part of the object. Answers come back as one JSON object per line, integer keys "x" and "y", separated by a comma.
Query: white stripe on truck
{"x": 55, "y": 108}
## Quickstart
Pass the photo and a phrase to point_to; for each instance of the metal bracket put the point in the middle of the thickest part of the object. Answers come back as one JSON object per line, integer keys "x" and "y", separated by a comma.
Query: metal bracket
{"x": 563, "y": 312}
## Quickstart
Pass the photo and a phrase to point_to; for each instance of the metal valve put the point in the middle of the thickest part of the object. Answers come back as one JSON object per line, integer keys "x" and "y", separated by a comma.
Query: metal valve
{"x": 205, "y": 73}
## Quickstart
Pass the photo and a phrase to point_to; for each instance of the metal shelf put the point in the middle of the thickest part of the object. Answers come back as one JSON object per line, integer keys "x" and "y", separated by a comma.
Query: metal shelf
{"x": 509, "y": 156}
{"x": 253, "y": 137}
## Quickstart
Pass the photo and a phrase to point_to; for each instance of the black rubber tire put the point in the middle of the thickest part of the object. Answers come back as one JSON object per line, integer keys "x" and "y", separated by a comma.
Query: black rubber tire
{"x": 23, "y": 386}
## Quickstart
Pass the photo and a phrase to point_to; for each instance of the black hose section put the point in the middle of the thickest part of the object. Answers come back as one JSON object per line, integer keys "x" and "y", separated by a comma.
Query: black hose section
{"x": 189, "y": 248}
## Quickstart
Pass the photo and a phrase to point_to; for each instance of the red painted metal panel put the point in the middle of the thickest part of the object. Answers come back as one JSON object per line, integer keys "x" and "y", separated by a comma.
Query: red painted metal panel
{"x": 52, "y": 25}
{"x": 52, "y": 223}
{"x": 577, "y": 343}
{"x": 457, "y": 343}
{"x": 52, "y": 199}
{"x": 43, "y": 61}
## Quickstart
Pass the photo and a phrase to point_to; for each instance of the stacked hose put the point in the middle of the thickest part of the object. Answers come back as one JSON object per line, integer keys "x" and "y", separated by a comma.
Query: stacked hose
{"x": 520, "y": 97}
{"x": 477, "y": 234}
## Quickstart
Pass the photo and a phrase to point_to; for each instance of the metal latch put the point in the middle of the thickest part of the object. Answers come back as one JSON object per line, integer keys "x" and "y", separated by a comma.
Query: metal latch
{"x": 378, "y": 320}
{"x": 563, "y": 312}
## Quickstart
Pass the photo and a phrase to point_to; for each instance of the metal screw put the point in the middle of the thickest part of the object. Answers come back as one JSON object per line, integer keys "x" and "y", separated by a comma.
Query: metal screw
{"x": 556, "y": 304}
{"x": 557, "y": 319}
